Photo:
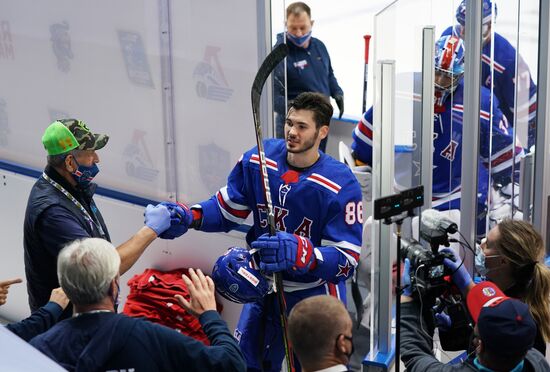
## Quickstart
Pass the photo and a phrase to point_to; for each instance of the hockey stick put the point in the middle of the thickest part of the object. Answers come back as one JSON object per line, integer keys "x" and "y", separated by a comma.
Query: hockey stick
{"x": 366, "y": 73}
{"x": 355, "y": 292}
{"x": 268, "y": 65}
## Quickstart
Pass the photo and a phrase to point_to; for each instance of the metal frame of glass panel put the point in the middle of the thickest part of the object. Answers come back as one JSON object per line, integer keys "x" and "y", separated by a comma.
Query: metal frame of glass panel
{"x": 542, "y": 154}
{"x": 168, "y": 116}
{"x": 427, "y": 122}
{"x": 381, "y": 267}
{"x": 470, "y": 132}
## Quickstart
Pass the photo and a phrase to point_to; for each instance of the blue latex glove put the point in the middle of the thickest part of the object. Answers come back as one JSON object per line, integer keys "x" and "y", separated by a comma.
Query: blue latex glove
{"x": 180, "y": 219}
{"x": 157, "y": 217}
{"x": 460, "y": 275}
{"x": 443, "y": 321}
{"x": 406, "y": 279}
{"x": 285, "y": 252}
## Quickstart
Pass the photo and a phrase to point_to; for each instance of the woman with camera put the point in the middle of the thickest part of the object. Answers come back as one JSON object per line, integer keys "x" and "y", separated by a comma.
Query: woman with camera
{"x": 512, "y": 257}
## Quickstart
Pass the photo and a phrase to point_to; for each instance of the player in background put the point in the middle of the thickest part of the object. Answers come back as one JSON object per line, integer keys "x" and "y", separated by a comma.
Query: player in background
{"x": 447, "y": 136}
{"x": 318, "y": 215}
{"x": 308, "y": 66}
{"x": 504, "y": 72}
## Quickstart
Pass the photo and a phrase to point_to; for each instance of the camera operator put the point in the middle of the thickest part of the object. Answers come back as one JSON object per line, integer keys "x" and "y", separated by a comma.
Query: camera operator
{"x": 512, "y": 257}
{"x": 504, "y": 333}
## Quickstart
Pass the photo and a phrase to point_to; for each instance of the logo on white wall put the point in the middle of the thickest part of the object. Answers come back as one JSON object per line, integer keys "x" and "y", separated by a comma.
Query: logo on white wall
{"x": 6, "y": 41}
{"x": 135, "y": 58}
{"x": 139, "y": 163}
{"x": 4, "y": 124}
{"x": 61, "y": 45}
{"x": 214, "y": 165}
{"x": 210, "y": 80}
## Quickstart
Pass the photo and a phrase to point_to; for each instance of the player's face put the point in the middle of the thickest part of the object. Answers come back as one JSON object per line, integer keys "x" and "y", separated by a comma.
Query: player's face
{"x": 299, "y": 24}
{"x": 442, "y": 80}
{"x": 485, "y": 32}
{"x": 301, "y": 133}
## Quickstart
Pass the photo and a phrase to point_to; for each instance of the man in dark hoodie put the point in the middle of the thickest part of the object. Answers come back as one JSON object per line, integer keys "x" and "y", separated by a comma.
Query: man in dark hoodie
{"x": 97, "y": 338}
{"x": 308, "y": 66}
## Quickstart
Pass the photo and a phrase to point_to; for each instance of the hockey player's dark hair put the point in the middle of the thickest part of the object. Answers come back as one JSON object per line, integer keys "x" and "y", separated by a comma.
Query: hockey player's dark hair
{"x": 297, "y": 8}
{"x": 318, "y": 103}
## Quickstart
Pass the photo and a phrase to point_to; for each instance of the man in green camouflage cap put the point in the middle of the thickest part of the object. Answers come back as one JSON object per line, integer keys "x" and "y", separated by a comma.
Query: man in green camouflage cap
{"x": 61, "y": 208}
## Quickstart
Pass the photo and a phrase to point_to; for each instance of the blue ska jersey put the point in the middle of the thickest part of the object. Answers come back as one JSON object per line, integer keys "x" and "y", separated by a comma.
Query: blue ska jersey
{"x": 322, "y": 203}
{"x": 504, "y": 78}
{"x": 447, "y": 154}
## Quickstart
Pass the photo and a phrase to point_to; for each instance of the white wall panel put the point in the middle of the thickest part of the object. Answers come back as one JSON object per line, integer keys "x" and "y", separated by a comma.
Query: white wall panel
{"x": 215, "y": 60}
{"x": 96, "y": 61}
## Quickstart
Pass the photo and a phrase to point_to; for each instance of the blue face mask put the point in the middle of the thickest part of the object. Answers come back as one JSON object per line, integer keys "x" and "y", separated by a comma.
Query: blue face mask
{"x": 299, "y": 41}
{"x": 481, "y": 269}
{"x": 83, "y": 175}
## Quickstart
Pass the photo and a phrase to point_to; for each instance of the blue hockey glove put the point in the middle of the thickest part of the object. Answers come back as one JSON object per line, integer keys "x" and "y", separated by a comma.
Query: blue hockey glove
{"x": 285, "y": 252}
{"x": 180, "y": 219}
{"x": 406, "y": 279}
{"x": 460, "y": 275}
{"x": 157, "y": 217}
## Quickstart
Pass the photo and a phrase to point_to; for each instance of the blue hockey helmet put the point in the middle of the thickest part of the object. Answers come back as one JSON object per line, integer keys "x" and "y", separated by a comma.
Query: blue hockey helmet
{"x": 236, "y": 279}
{"x": 487, "y": 11}
{"x": 449, "y": 61}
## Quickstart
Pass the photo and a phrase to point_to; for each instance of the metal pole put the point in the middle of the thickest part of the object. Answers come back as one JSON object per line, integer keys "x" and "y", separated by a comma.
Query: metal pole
{"x": 168, "y": 99}
{"x": 470, "y": 128}
{"x": 542, "y": 152}
{"x": 383, "y": 174}
{"x": 426, "y": 165}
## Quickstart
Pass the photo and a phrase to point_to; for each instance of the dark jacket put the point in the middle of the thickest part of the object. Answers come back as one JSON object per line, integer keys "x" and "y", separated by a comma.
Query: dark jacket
{"x": 39, "y": 321}
{"x": 308, "y": 70}
{"x": 51, "y": 222}
{"x": 108, "y": 341}
{"x": 416, "y": 347}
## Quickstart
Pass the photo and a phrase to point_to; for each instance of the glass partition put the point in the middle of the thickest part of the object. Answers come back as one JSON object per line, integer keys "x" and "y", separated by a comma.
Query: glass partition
{"x": 507, "y": 104}
{"x": 509, "y": 65}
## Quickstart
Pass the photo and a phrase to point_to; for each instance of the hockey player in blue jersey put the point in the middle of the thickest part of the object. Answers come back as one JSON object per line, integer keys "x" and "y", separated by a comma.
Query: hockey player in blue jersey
{"x": 318, "y": 214}
{"x": 504, "y": 72}
{"x": 447, "y": 136}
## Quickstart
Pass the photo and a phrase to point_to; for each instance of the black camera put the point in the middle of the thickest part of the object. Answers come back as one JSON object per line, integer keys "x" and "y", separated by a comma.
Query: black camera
{"x": 427, "y": 270}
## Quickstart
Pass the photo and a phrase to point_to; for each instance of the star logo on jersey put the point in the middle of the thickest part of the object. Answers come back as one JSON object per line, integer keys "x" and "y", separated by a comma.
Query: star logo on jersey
{"x": 343, "y": 270}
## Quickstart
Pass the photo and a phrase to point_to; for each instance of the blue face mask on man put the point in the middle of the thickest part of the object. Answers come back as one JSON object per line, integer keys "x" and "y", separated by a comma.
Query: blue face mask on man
{"x": 300, "y": 41}
{"x": 83, "y": 175}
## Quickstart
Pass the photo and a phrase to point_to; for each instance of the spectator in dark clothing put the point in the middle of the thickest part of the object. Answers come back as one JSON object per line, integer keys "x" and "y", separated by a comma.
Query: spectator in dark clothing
{"x": 504, "y": 335}
{"x": 42, "y": 319}
{"x": 97, "y": 338}
{"x": 319, "y": 329}
{"x": 308, "y": 66}
{"x": 61, "y": 209}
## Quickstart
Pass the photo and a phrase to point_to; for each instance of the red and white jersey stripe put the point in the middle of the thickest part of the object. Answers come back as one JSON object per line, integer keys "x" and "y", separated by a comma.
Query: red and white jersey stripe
{"x": 325, "y": 182}
{"x": 351, "y": 251}
{"x": 498, "y": 67}
{"x": 363, "y": 130}
{"x": 271, "y": 164}
{"x": 230, "y": 210}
